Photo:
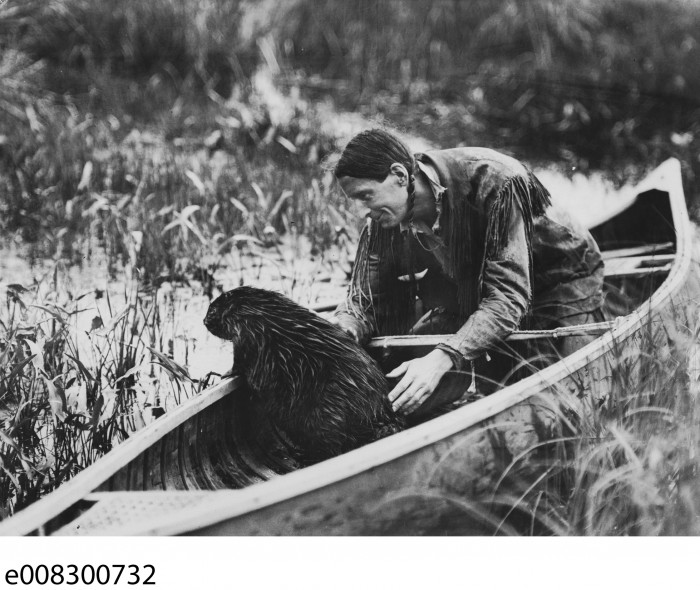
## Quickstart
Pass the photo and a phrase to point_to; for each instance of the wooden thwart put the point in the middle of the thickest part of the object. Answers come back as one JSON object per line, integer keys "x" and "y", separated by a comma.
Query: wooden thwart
{"x": 636, "y": 266}
{"x": 434, "y": 339}
{"x": 627, "y": 262}
{"x": 636, "y": 251}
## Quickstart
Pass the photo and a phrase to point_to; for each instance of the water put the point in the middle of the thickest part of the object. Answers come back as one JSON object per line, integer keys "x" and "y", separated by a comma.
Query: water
{"x": 291, "y": 267}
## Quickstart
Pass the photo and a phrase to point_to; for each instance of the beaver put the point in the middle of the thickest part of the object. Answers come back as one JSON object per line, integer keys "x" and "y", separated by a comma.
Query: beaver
{"x": 315, "y": 383}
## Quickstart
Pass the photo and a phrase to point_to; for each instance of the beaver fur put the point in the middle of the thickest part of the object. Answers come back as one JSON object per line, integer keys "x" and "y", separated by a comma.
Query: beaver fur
{"x": 316, "y": 384}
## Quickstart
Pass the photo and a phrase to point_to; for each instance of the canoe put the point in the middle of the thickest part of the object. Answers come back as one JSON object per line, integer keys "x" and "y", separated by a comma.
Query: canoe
{"x": 211, "y": 467}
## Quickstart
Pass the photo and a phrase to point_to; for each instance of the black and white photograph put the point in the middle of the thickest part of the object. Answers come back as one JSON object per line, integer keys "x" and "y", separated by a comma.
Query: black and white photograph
{"x": 346, "y": 268}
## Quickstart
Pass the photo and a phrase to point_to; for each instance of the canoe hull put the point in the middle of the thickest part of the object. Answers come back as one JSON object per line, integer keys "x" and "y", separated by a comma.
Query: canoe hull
{"x": 448, "y": 487}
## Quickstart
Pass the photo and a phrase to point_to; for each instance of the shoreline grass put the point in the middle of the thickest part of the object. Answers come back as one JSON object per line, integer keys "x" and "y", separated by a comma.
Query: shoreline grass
{"x": 632, "y": 467}
{"x": 67, "y": 393}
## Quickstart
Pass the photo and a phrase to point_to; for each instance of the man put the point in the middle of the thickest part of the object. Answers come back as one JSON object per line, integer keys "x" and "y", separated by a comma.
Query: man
{"x": 458, "y": 243}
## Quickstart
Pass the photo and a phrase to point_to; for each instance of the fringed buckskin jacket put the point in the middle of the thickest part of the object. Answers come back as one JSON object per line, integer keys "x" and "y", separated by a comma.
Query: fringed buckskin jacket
{"x": 491, "y": 258}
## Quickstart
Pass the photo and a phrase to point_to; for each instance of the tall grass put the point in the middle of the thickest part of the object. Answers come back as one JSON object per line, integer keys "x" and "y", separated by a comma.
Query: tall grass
{"x": 171, "y": 207}
{"x": 631, "y": 466}
{"x": 195, "y": 42}
{"x": 69, "y": 392}
{"x": 168, "y": 182}
{"x": 594, "y": 84}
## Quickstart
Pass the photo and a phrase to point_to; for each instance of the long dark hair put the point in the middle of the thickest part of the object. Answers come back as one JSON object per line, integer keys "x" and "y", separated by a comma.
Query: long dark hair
{"x": 371, "y": 153}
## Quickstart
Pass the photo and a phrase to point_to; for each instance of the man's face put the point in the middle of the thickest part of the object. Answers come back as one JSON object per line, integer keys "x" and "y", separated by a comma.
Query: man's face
{"x": 385, "y": 202}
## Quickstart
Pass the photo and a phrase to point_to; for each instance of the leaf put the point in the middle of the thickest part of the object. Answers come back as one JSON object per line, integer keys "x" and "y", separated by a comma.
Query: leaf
{"x": 139, "y": 422}
{"x": 13, "y": 478}
{"x": 196, "y": 232}
{"x": 82, "y": 368}
{"x": 213, "y": 214}
{"x": 246, "y": 238}
{"x": 170, "y": 226}
{"x": 8, "y": 440}
{"x": 85, "y": 177}
{"x": 13, "y": 294}
{"x": 240, "y": 206}
{"x": 100, "y": 203}
{"x": 182, "y": 220}
{"x": 84, "y": 294}
{"x": 165, "y": 210}
{"x": 288, "y": 145}
{"x": 115, "y": 320}
{"x": 238, "y": 239}
{"x": 170, "y": 365}
{"x": 188, "y": 211}
{"x": 262, "y": 200}
{"x": 18, "y": 369}
{"x": 54, "y": 311}
{"x": 37, "y": 351}
{"x": 124, "y": 201}
{"x": 197, "y": 182}
{"x": 96, "y": 411}
{"x": 17, "y": 289}
{"x": 129, "y": 373}
{"x": 284, "y": 197}
{"x": 57, "y": 399}
{"x": 45, "y": 465}
{"x": 229, "y": 121}
{"x": 76, "y": 397}
{"x": 96, "y": 323}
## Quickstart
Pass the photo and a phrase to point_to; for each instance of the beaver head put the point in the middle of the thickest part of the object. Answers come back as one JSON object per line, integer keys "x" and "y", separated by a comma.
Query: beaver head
{"x": 231, "y": 315}
{"x": 230, "y": 311}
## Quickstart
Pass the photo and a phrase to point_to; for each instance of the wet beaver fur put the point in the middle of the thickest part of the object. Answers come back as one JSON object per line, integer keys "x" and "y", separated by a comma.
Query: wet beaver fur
{"x": 315, "y": 383}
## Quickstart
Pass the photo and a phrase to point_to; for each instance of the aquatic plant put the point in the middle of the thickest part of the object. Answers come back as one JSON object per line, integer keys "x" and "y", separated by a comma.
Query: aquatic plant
{"x": 69, "y": 391}
{"x": 631, "y": 467}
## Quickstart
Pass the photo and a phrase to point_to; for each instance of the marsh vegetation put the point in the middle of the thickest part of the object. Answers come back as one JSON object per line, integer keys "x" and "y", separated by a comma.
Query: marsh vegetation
{"x": 155, "y": 153}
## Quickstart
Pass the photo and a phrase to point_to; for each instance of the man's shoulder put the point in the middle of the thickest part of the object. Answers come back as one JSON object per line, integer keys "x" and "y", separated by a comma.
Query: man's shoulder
{"x": 473, "y": 156}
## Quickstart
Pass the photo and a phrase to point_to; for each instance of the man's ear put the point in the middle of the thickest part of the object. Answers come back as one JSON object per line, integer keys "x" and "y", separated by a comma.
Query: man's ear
{"x": 399, "y": 170}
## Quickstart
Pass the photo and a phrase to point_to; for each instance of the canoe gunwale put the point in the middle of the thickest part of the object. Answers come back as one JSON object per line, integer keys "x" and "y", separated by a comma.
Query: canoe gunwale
{"x": 227, "y": 504}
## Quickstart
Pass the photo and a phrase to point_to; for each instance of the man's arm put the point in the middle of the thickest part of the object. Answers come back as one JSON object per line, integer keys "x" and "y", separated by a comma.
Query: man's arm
{"x": 506, "y": 296}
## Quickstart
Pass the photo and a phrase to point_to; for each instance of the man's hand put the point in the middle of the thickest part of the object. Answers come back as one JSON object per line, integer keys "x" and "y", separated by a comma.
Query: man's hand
{"x": 420, "y": 378}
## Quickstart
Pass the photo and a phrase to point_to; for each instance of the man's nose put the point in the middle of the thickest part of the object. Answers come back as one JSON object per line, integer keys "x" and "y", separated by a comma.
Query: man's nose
{"x": 364, "y": 212}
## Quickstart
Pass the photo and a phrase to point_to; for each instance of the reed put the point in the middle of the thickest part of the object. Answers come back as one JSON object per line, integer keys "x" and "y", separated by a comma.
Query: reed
{"x": 166, "y": 207}
{"x": 70, "y": 391}
{"x": 168, "y": 188}
{"x": 631, "y": 469}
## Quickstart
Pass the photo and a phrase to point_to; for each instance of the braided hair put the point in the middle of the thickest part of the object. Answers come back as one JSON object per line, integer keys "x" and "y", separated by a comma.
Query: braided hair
{"x": 370, "y": 155}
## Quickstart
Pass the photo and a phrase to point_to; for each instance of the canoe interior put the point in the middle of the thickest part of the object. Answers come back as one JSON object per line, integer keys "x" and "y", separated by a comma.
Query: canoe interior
{"x": 231, "y": 445}
{"x": 646, "y": 226}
